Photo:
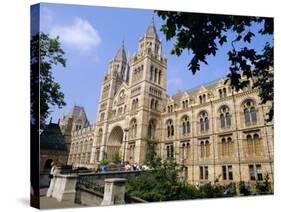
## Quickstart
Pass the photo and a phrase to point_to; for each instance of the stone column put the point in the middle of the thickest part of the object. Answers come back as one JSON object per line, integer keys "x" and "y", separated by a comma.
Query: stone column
{"x": 114, "y": 191}
{"x": 64, "y": 187}
{"x": 53, "y": 181}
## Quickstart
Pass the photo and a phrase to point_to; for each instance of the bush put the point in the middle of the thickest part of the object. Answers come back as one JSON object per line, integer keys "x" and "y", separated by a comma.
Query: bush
{"x": 244, "y": 189}
{"x": 264, "y": 187}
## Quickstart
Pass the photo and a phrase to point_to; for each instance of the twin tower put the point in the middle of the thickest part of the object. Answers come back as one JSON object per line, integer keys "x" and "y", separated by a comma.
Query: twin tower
{"x": 132, "y": 94}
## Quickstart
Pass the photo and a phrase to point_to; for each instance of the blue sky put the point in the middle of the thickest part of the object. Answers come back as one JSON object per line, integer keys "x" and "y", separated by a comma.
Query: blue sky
{"x": 91, "y": 36}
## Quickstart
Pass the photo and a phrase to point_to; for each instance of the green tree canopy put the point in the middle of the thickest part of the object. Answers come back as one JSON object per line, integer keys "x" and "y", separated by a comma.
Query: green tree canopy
{"x": 45, "y": 92}
{"x": 202, "y": 34}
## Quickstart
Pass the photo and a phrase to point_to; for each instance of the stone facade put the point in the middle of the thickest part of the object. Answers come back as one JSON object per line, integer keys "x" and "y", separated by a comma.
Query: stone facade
{"x": 213, "y": 131}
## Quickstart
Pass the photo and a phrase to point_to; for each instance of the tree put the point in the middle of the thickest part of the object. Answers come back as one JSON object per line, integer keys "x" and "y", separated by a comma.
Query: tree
{"x": 45, "y": 92}
{"x": 203, "y": 33}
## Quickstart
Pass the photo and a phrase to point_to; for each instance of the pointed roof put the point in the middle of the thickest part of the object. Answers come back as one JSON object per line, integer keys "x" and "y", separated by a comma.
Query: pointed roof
{"x": 52, "y": 139}
{"x": 121, "y": 54}
{"x": 151, "y": 31}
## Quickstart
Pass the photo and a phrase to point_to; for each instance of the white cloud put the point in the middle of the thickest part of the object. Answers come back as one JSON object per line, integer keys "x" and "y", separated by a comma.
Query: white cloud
{"x": 46, "y": 18}
{"x": 80, "y": 34}
{"x": 175, "y": 82}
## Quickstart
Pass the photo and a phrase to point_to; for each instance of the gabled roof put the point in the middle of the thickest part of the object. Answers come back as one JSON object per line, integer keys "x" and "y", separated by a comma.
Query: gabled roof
{"x": 151, "y": 31}
{"x": 52, "y": 139}
{"x": 121, "y": 54}
{"x": 77, "y": 112}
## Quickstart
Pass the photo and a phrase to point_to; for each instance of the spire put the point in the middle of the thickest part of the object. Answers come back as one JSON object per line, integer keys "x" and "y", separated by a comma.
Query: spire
{"x": 121, "y": 54}
{"x": 151, "y": 30}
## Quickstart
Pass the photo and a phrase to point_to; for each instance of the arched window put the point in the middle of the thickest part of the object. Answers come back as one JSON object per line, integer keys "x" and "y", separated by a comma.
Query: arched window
{"x": 133, "y": 104}
{"x": 200, "y": 99}
{"x": 137, "y": 103}
{"x": 225, "y": 119}
{"x": 159, "y": 77}
{"x": 204, "y": 121}
{"x": 206, "y": 124}
{"x": 133, "y": 128}
{"x": 207, "y": 146}
{"x": 185, "y": 125}
{"x": 250, "y": 145}
{"x": 152, "y": 104}
{"x": 155, "y": 75}
{"x": 224, "y": 92}
{"x": 247, "y": 116}
{"x": 170, "y": 128}
{"x": 204, "y": 98}
{"x": 253, "y": 115}
{"x": 151, "y": 73}
{"x": 228, "y": 120}
{"x": 230, "y": 146}
{"x": 250, "y": 113}
{"x": 257, "y": 144}
{"x": 223, "y": 147}
{"x": 220, "y": 93}
{"x": 201, "y": 124}
{"x": 222, "y": 119}
{"x": 202, "y": 149}
{"x": 151, "y": 129}
{"x": 156, "y": 105}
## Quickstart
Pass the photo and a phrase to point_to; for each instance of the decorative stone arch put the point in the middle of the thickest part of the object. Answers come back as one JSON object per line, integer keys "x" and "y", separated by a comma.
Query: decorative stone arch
{"x": 249, "y": 109}
{"x": 114, "y": 142}
{"x": 203, "y": 120}
{"x": 185, "y": 124}
{"x": 248, "y": 99}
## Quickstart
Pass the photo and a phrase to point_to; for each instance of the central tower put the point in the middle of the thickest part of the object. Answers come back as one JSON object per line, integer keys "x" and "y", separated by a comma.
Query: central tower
{"x": 148, "y": 86}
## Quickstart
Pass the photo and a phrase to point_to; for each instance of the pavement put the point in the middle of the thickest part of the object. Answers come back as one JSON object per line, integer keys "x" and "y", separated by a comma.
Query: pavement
{"x": 52, "y": 203}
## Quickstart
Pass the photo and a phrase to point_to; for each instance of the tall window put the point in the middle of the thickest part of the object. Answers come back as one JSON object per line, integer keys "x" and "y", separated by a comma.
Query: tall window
{"x": 132, "y": 152}
{"x": 184, "y": 104}
{"x": 200, "y": 99}
{"x": 185, "y": 151}
{"x": 133, "y": 128}
{"x": 224, "y": 92}
{"x": 135, "y": 104}
{"x": 255, "y": 172}
{"x": 227, "y": 147}
{"x": 170, "y": 128}
{"x": 253, "y": 145}
{"x": 151, "y": 73}
{"x": 159, "y": 77}
{"x": 185, "y": 126}
{"x": 204, "y": 149}
{"x": 152, "y": 104}
{"x": 225, "y": 118}
{"x": 227, "y": 173}
{"x": 156, "y": 105}
{"x": 151, "y": 129}
{"x": 204, "y": 172}
{"x": 250, "y": 113}
{"x": 204, "y": 121}
{"x": 170, "y": 151}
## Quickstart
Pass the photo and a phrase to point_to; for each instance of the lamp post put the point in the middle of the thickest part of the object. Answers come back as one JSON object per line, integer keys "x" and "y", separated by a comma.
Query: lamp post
{"x": 124, "y": 149}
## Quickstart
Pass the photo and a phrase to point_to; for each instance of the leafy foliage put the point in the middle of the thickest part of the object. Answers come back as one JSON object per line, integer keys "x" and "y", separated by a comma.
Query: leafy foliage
{"x": 265, "y": 186}
{"x": 45, "y": 53}
{"x": 116, "y": 159}
{"x": 204, "y": 33}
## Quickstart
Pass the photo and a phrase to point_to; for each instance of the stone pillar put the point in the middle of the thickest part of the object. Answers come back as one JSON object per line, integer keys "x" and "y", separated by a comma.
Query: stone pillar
{"x": 114, "y": 191}
{"x": 53, "y": 181}
{"x": 64, "y": 187}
